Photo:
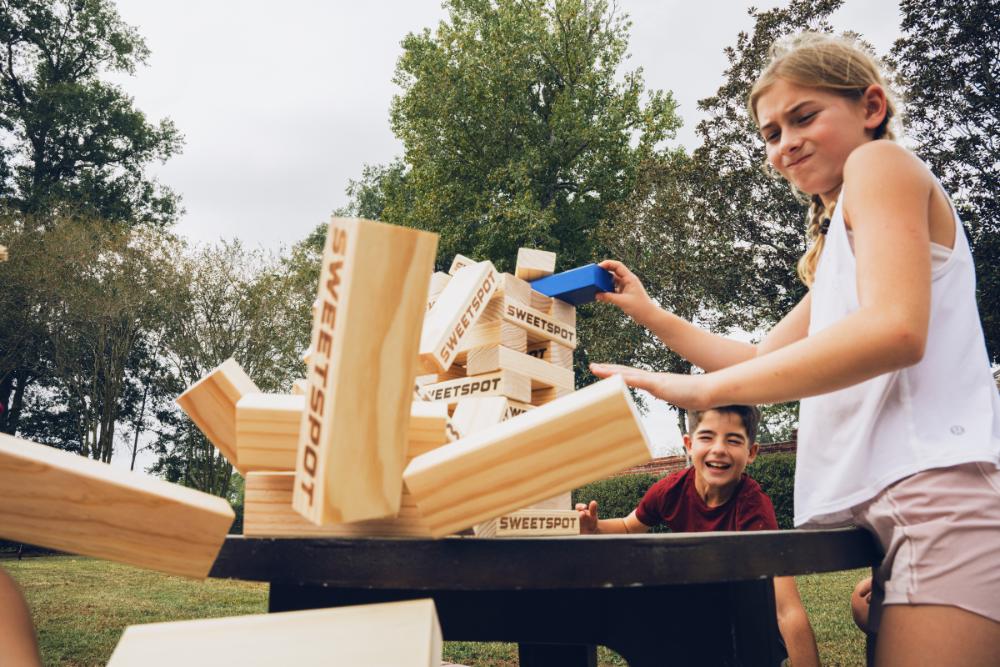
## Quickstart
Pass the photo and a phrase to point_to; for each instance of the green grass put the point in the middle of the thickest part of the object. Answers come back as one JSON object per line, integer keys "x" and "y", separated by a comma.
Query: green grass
{"x": 81, "y": 606}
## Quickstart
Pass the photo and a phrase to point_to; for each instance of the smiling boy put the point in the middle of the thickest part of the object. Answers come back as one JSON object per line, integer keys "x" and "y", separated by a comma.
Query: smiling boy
{"x": 716, "y": 494}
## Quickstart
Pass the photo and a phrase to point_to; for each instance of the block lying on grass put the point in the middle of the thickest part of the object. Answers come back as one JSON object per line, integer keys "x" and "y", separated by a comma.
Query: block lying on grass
{"x": 211, "y": 404}
{"x": 64, "y": 501}
{"x": 267, "y": 512}
{"x": 267, "y": 430}
{"x": 402, "y": 634}
{"x": 585, "y": 436}
{"x": 352, "y": 440}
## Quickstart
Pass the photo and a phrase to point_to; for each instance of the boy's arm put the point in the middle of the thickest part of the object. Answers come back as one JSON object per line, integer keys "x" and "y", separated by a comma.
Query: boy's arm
{"x": 591, "y": 525}
{"x": 17, "y": 635}
{"x": 794, "y": 624}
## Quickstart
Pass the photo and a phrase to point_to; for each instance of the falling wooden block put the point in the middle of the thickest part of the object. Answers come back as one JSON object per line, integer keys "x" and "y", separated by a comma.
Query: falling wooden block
{"x": 588, "y": 435}
{"x": 439, "y": 281}
{"x": 500, "y": 383}
{"x": 353, "y": 436}
{"x": 533, "y": 264}
{"x": 553, "y": 353}
{"x": 548, "y": 394}
{"x": 576, "y": 286}
{"x": 402, "y": 634}
{"x": 475, "y": 414}
{"x": 455, "y": 313}
{"x": 211, "y": 404}
{"x": 267, "y": 512}
{"x": 497, "y": 357}
{"x": 458, "y": 263}
{"x": 267, "y": 430}
{"x": 531, "y": 523}
{"x": 68, "y": 502}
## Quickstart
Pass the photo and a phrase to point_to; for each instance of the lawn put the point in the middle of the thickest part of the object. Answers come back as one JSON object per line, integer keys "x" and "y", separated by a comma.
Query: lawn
{"x": 81, "y": 606}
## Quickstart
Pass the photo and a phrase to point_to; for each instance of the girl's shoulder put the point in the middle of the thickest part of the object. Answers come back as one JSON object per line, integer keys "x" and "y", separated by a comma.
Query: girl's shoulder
{"x": 887, "y": 158}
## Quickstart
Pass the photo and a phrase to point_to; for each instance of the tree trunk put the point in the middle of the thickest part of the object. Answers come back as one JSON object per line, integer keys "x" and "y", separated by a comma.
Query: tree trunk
{"x": 138, "y": 425}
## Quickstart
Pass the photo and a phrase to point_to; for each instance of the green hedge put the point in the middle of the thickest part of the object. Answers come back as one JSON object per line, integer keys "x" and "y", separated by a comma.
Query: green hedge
{"x": 618, "y": 496}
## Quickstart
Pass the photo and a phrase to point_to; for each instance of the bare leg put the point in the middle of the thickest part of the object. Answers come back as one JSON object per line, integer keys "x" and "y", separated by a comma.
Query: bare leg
{"x": 917, "y": 635}
{"x": 17, "y": 635}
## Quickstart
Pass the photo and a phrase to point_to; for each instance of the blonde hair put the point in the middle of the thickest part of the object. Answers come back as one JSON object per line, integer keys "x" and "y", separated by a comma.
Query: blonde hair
{"x": 839, "y": 66}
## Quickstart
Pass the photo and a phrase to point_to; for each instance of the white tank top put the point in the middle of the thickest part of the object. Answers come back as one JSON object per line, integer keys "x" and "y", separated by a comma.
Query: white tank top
{"x": 942, "y": 411}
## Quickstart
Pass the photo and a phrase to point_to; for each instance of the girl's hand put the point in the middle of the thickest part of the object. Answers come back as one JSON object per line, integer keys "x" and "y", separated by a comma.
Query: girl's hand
{"x": 588, "y": 517}
{"x": 629, "y": 294}
{"x": 685, "y": 391}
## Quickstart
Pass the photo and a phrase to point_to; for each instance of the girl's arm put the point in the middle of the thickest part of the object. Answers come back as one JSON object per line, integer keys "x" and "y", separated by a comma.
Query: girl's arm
{"x": 17, "y": 635}
{"x": 886, "y": 199}
{"x": 702, "y": 348}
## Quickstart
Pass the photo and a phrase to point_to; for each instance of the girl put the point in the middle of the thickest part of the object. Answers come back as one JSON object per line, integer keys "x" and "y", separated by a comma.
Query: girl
{"x": 900, "y": 420}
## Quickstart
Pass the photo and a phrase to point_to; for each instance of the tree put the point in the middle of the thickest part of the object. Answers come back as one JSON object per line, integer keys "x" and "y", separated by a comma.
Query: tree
{"x": 948, "y": 64}
{"x": 68, "y": 138}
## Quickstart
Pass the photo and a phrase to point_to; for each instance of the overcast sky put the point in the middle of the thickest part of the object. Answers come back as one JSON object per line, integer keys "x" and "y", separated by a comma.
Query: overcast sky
{"x": 281, "y": 104}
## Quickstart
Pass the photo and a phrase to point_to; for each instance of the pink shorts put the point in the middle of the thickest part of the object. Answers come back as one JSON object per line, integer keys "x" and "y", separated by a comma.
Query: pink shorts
{"x": 940, "y": 530}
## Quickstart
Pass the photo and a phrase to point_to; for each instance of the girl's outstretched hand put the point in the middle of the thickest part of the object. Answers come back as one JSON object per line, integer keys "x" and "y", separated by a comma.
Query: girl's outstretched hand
{"x": 629, "y": 294}
{"x": 684, "y": 391}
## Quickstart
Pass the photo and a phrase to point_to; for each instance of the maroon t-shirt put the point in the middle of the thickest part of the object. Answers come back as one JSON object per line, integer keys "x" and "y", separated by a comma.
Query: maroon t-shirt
{"x": 674, "y": 501}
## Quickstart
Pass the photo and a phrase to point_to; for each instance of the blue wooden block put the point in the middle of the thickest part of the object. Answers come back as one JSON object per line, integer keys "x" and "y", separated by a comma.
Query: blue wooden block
{"x": 576, "y": 286}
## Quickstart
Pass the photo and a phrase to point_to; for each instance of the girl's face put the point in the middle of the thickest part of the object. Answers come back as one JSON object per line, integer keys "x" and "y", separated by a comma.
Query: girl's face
{"x": 809, "y": 132}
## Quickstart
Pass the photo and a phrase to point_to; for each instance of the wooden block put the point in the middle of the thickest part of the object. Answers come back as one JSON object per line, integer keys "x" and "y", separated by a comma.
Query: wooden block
{"x": 267, "y": 512}
{"x": 533, "y": 264}
{"x": 63, "y": 501}
{"x": 515, "y": 408}
{"x": 211, "y": 404}
{"x": 547, "y": 395}
{"x": 538, "y": 325}
{"x": 562, "y": 311}
{"x": 475, "y": 414}
{"x": 564, "y": 501}
{"x": 455, "y": 313}
{"x": 353, "y": 436}
{"x": 4, "y": 256}
{"x": 492, "y": 333}
{"x": 439, "y": 280}
{"x": 458, "y": 263}
{"x": 514, "y": 287}
{"x": 542, "y": 303}
{"x": 403, "y": 634}
{"x": 531, "y": 523}
{"x": 576, "y": 286}
{"x": 588, "y": 435}
{"x": 499, "y": 383}
{"x": 541, "y": 373}
{"x": 300, "y": 387}
{"x": 267, "y": 430}
{"x": 553, "y": 353}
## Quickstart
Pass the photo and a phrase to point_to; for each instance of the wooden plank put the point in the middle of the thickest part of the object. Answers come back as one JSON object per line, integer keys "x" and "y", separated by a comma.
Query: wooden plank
{"x": 352, "y": 440}
{"x": 589, "y": 435}
{"x": 458, "y": 263}
{"x": 541, "y": 303}
{"x": 549, "y": 394}
{"x": 267, "y": 512}
{"x": 516, "y": 408}
{"x": 455, "y": 313}
{"x": 267, "y": 430}
{"x": 541, "y": 373}
{"x": 300, "y": 387}
{"x": 499, "y": 383}
{"x": 439, "y": 280}
{"x": 531, "y": 523}
{"x": 475, "y": 414}
{"x": 495, "y": 332}
{"x": 538, "y": 325}
{"x": 564, "y": 501}
{"x": 533, "y": 264}
{"x": 211, "y": 404}
{"x": 514, "y": 287}
{"x": 561, "y": 311}
{"x": 403, "y": 634}
{"x": 553, "y": 353}
{"x": 68, "y": 502}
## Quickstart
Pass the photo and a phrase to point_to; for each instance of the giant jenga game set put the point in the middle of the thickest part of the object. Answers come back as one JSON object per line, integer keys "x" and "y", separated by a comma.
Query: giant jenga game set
{"x": 434, "y": 404}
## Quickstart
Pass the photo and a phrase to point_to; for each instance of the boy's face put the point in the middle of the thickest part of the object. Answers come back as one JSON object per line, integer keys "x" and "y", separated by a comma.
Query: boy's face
{"x": 720, "y": 451}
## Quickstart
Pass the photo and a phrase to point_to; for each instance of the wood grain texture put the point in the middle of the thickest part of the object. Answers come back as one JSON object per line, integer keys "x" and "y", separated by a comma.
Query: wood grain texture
{"x": 401, "y": 634}
{"x": 553, "y": 353}
{"x": 588, "y": 435}
{"x": 541, "y": 373}
{"x": 439, "y": 280}
{"x": 267, "y": 512}
{"x": 547, "y": 395}
{"x": 353, "y": 436}
{"x": 211, "y": 404}
{"x": 459, "y": 262}
{"x": 63, "y": 501}
{"x": 533, "y": 264}
{"x": 562, "y": 311}
{"x": 499, "y": 383}
{"x": 538, "y": 326}
{"x": 531, "y": 523}
{"x": 475, "y": 414}
{"x": 455, "y": 313}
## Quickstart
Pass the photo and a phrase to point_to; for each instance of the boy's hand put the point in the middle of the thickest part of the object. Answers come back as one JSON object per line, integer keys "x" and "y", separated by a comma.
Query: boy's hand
{"x": 685, "y": 391}
{"x": 629, "y": 294}
{"x": 588, "y": 517}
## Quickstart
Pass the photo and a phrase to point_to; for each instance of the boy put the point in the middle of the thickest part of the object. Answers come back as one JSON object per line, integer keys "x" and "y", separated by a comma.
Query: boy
{"x": 715, "y": 494}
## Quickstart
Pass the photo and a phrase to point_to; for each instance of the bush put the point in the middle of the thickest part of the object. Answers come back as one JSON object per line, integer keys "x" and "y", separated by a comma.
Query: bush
{"x": 617, "y": 496}
{"x": 776, "y": 475}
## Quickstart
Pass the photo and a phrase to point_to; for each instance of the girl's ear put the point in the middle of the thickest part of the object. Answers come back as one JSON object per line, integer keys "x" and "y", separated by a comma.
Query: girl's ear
{"x": 876, "y": 106}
